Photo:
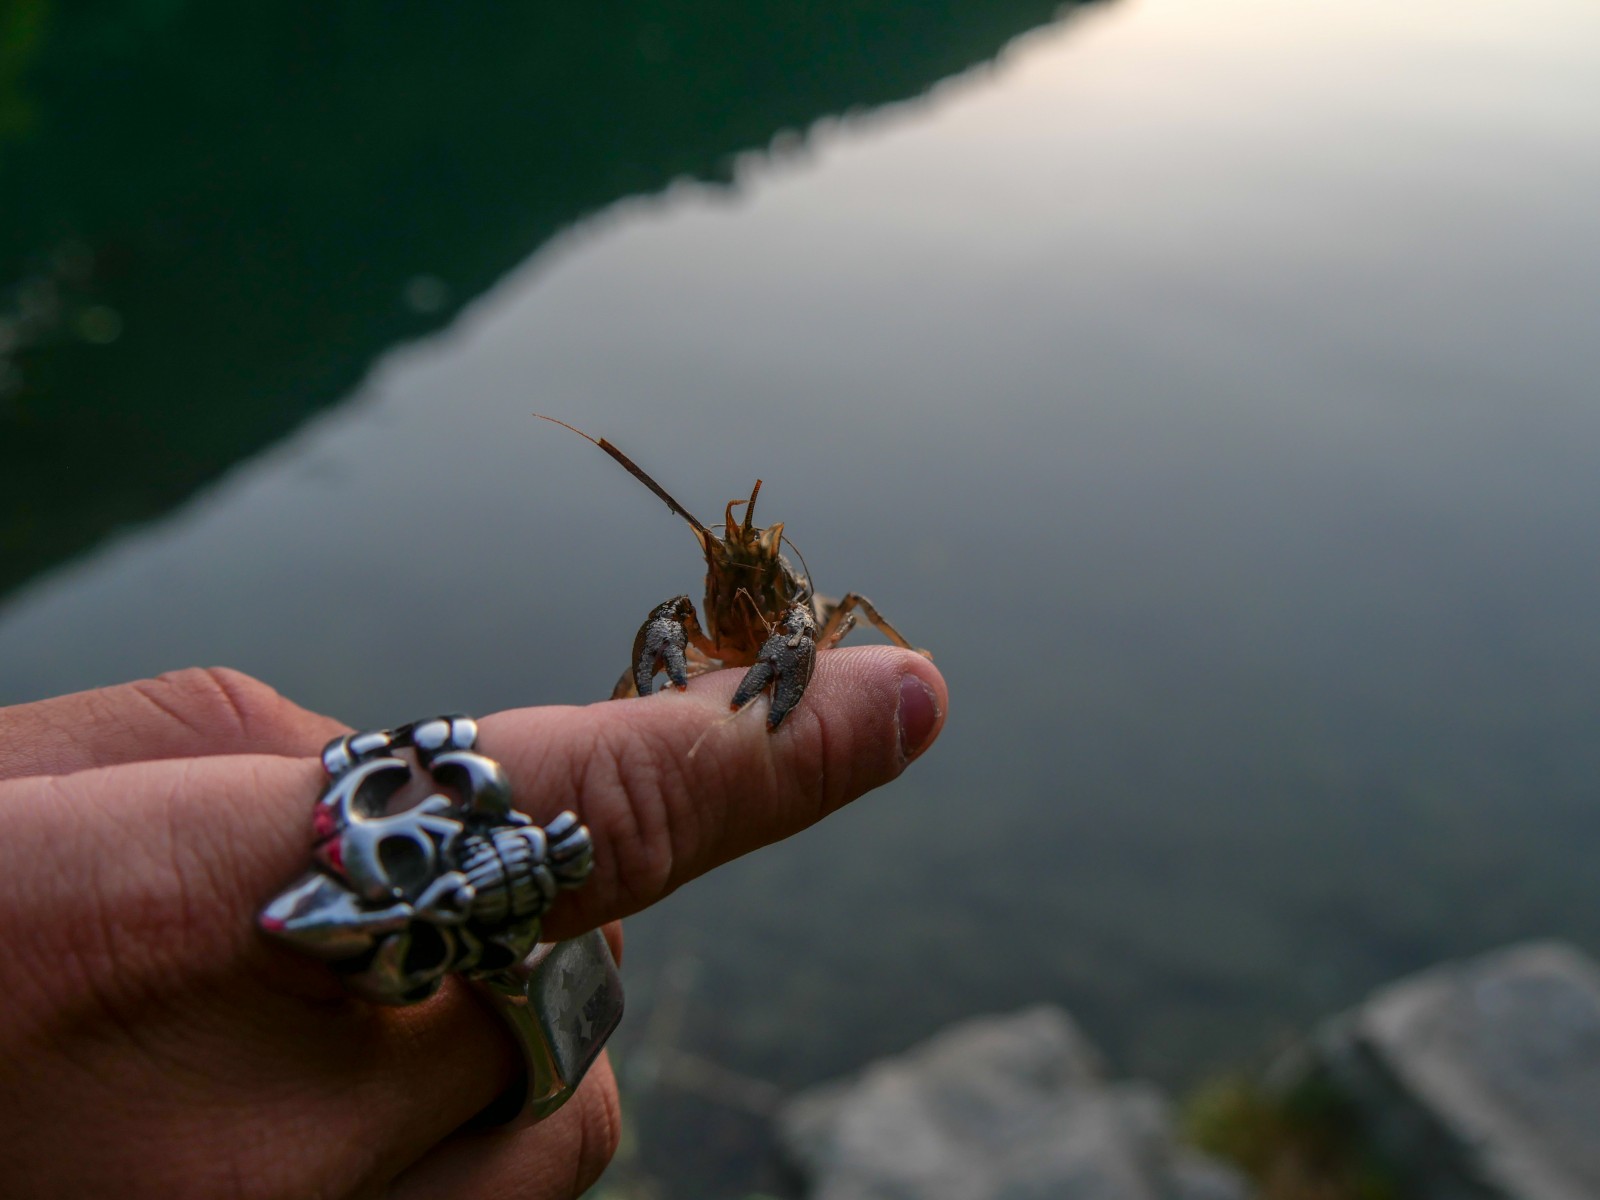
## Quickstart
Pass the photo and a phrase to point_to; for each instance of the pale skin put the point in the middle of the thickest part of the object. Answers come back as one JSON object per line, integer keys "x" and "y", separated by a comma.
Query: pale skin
{"x": 154, "y": 1044}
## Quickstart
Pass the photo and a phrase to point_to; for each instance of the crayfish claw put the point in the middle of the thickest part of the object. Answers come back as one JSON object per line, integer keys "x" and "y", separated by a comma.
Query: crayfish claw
{"x": 785, "y": 662}
{"x": 754, "y": 682}
{"x": 786, "y": 693}
{"x": 661, "y": 643}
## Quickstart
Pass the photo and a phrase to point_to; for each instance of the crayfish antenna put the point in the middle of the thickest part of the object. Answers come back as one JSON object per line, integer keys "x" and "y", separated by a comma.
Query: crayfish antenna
{"x": 744, "y": 594}
{"x": 638, "y": 473}
{"x": 718, "y": 724}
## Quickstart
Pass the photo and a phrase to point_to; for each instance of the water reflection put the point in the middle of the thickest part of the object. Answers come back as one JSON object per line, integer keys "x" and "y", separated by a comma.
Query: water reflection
{"x": 217, "y": 219}
{"x": 1208, "y": 385}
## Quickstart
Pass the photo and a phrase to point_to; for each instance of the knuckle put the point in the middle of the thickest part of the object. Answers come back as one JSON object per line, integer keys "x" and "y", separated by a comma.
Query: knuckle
{"x": 214, "y": 699}
{"x": 634, "y": 795}
{"x": 242, "y": 698}
{"x": 847, "y": 756}
{"x": 830, "y": 784}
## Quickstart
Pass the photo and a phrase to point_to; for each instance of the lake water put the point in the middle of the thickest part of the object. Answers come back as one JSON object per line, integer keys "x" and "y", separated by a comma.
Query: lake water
{"x": 1210, "y": 384}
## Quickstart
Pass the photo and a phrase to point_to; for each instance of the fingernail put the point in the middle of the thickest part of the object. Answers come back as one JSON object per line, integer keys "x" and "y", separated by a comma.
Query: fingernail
{"x": 919, "y": 713}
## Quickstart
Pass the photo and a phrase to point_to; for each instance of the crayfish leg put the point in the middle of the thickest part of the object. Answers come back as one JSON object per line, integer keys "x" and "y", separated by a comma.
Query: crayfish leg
{"x": 839, "y": 619}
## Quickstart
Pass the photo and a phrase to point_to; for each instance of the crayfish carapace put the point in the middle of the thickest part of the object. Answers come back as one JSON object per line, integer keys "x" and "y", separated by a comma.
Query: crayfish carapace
{"x": 760, "y": 612}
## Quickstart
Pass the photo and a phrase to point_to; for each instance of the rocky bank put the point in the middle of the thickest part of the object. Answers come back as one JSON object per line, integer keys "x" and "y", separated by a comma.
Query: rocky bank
{"x": 1475, "y": 1080}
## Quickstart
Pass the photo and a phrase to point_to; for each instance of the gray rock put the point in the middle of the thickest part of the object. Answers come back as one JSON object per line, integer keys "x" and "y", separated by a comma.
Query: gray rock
{"x": 1004, "y": 1108}
{"x": 1482, "y": 1079}
{"x": 1197, "y": 1177}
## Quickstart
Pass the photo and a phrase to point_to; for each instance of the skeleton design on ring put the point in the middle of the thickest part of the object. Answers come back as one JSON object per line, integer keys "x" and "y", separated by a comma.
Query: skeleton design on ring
{"x": 396, "y": 901}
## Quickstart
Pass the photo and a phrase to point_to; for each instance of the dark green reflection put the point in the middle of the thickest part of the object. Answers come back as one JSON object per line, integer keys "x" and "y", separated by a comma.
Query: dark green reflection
{"x": 217, "y": 215}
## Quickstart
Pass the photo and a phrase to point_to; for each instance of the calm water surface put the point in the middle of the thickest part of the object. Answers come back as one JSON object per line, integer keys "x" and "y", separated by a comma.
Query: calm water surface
{"x": 1211, "y": 386}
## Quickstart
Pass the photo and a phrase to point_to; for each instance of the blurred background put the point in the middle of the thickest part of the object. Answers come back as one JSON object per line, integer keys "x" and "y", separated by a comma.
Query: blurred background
{"x": 1209, "y": 384}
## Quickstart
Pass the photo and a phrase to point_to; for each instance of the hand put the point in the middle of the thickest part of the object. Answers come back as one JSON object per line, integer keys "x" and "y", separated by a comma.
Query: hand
{"x": 155, "y": 1044}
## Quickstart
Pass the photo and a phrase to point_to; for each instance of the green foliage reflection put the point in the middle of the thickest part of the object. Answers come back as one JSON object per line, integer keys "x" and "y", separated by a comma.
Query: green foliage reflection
{"x": 218, "y": 215}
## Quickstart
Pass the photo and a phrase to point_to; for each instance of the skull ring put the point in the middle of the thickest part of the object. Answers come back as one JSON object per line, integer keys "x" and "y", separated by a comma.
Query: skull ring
{"x": 456, "y": 883}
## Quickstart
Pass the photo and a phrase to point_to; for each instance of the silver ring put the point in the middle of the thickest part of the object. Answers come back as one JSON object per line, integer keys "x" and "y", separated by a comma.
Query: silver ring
{"x": 455, "y": 884}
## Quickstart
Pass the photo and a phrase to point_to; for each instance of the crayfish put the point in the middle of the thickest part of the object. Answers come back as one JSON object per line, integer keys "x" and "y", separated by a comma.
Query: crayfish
{"x": 760, "y": 612}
